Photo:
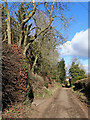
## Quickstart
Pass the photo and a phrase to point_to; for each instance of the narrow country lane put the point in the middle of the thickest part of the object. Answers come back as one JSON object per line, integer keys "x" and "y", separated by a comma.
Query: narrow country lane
{"x": 65, "y": 105}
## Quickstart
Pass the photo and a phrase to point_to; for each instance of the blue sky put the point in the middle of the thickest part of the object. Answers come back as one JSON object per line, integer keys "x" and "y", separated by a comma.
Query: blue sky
{"x": 77, "y": 42}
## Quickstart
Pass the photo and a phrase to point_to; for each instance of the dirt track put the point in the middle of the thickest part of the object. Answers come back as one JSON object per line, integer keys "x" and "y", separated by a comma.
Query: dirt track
{"x": 62, "y": 105}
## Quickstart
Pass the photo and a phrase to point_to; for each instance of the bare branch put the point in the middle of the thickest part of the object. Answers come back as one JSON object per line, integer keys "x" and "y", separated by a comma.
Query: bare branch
{"x": 31, "y": 14}
{"x": 34, "y": 28}
{"x": 39, "y": 3}
{"x": 47, "y": 7}
{"x": 52, "y": 8}
{"x": 51, "y": 19}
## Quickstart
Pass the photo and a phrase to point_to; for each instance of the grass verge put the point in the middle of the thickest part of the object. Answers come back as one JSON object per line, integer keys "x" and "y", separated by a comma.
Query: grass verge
{"x": 81, "y": 96}
{"x": 47, "y": 92}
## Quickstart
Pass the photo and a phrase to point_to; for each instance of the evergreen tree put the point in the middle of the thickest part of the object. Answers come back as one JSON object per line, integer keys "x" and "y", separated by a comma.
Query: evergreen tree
{"x": 76, "y": 72}
{"x": 61, "y": 71}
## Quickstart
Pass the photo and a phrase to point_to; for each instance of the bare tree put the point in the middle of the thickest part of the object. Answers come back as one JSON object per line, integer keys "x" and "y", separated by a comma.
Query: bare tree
{"x": 43, "y": 29}
{"x": 8, "y": 22}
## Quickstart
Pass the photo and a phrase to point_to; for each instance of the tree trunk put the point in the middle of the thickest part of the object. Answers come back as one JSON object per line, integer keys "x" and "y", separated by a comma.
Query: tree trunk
{"x": 25, "y": 49}
{"x": 21, "y": 37}
{"x": 25, "y": 21}
{"x": 8, "y": 22}
{"x": 25, "y": 40}
{"x": 26, "y": 35}
{"x": 34, "y": 63}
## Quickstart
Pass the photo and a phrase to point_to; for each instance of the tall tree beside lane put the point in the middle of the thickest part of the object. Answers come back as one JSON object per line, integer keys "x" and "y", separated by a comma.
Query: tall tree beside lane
{"x": 76, "y": 72}
{"x": 8, "y": 22}
{"x": 61, "y": 69}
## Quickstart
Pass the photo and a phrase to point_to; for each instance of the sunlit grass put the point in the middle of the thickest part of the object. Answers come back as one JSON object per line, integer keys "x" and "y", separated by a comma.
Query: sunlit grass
{"x": 47, "y": 92}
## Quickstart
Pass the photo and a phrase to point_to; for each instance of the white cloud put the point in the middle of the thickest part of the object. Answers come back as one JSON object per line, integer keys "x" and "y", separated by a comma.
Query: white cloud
{"x": 78, "y": 46}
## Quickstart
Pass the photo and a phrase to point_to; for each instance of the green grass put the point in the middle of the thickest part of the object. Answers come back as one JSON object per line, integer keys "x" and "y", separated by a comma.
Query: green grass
{"x": 38, "y": 95}
{"x": 47, "y": 92}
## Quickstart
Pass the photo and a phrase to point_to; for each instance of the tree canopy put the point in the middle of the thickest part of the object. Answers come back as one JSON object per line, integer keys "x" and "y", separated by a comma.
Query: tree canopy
{"x": 30, "y": 26}
{"x": 76, "y": 72}
{"x": 60, "y": 72}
